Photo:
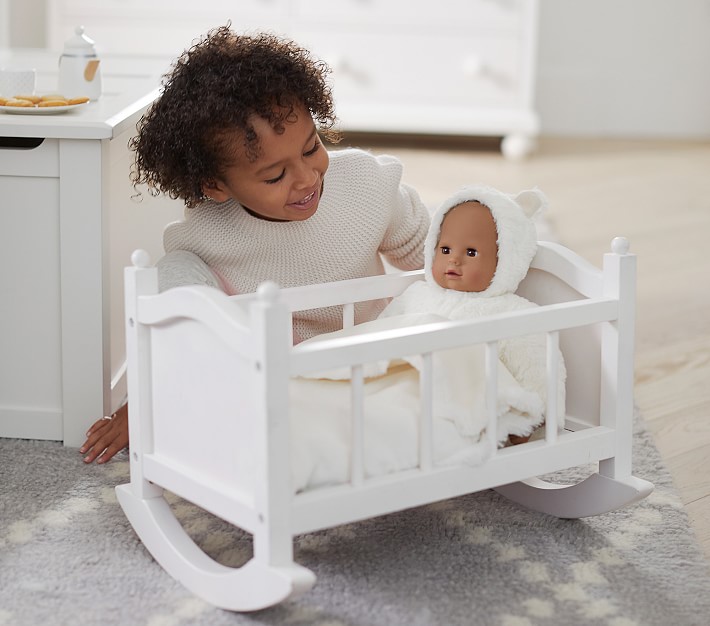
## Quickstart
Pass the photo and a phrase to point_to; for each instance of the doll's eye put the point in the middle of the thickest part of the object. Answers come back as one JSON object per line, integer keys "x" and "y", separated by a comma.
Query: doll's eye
{"x": 445, "y": 249}
{"x": 471, "y": 252}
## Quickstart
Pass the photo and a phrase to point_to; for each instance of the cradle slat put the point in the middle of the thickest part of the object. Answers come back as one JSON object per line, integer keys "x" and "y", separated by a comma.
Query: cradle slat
{"x": 492, "y": 396}
{"x": 426, "y": 413}
{"x": 553, "y": 365}
{"x": 357, "y": 427}
{"x": 348, "y": 315}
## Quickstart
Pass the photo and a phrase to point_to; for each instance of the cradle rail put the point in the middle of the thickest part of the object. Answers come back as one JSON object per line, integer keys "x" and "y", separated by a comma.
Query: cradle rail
{"x": 243, "y": 474}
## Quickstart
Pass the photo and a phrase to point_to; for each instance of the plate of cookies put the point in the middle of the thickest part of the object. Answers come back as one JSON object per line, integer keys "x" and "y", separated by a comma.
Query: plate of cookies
{"x": 32, "y": 104}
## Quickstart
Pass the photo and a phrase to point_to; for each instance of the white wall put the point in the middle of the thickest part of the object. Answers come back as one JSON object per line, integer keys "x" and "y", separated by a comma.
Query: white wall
{"x": 26, "y": 22}
{"x": 4, "y": 23}
{"x": 614, "y": 68}
{"x": 624, "y": 67}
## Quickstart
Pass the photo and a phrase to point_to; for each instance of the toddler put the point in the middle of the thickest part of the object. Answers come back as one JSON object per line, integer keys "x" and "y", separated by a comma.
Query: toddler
{"x": 235, "y": 135}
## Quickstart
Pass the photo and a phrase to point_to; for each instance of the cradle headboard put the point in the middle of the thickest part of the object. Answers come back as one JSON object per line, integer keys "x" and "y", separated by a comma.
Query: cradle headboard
{"x": 559, "y": 275}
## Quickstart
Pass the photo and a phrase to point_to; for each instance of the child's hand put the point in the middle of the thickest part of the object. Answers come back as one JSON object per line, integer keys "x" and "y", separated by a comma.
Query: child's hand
{"x": 106, "y": 437}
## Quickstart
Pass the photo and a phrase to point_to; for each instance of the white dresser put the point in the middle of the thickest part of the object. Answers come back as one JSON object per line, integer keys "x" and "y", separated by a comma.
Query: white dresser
{"x": 68, "y": 224}
{"x": 451, "y": 67}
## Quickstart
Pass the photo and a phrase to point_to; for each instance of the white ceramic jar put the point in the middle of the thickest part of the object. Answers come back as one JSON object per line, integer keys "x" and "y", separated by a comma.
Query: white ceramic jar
{"x": 79, "y": 67}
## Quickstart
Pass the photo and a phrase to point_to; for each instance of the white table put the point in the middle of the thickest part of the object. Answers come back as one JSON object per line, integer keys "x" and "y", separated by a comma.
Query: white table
{"x": 68, "y": 223}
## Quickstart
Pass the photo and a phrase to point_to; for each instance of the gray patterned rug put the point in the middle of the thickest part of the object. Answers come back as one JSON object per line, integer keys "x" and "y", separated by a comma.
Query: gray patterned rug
{"x": 68, "y": 555}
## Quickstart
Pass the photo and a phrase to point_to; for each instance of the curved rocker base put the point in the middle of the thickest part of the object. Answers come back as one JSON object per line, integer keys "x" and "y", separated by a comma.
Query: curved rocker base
{"x": 251, "y": 587}
{"x": 595, "y": 495}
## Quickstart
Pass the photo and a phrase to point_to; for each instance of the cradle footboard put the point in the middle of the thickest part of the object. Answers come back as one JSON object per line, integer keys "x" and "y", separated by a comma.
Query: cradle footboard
{"x": 210, "y": 412}
{"x": 208, "y": 421}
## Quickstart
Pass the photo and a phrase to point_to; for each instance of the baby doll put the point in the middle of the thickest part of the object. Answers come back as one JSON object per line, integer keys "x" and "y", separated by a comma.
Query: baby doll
{"x": 479, "y": 247}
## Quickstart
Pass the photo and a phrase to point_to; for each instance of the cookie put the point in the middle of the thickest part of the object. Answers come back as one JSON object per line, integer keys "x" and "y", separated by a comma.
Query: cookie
{"x": 53, "y": 103}
{"x": 32, "y": 98}
{"x": 17, "y": 102}
{"x": 78, "y": 100}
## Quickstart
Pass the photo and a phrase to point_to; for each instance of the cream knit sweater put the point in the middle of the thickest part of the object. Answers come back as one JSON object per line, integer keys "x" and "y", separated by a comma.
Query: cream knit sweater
{"x": 365, "y": 211}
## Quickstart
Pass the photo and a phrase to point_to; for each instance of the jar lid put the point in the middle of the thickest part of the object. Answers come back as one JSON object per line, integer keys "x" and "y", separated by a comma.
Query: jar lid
{"x": 79, "y": 44}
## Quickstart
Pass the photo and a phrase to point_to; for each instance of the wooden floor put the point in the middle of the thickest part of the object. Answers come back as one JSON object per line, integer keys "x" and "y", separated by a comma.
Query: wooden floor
{"x": 657, "y": 194}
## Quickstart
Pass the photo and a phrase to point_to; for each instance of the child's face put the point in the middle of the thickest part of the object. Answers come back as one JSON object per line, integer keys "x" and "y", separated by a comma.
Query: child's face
{"x": 285, "y": 182}
{"x": 466, "y": 254}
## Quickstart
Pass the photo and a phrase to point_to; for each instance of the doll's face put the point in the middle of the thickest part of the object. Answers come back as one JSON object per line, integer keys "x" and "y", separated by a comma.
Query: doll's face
{"x": 466, "y": 254}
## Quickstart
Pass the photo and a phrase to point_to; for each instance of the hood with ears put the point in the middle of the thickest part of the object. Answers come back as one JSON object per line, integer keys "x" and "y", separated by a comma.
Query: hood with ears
{"x": 517, "y": 236}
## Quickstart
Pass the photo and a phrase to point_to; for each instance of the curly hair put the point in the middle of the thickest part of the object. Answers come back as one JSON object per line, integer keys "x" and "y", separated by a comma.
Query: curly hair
{"x": 212, "y": 90}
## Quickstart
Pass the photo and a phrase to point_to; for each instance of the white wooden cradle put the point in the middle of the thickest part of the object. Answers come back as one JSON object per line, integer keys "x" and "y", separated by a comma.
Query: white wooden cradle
{"x": 209, "y": 418}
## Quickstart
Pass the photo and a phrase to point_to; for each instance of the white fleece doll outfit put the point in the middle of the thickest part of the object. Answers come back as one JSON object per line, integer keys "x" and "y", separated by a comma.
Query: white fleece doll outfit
{"x": 523, "y": 357}
{"x": 320, "y": 402}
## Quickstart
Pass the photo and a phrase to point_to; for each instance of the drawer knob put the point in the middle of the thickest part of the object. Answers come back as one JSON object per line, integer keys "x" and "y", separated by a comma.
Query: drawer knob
{"x": 473, "y": 66}
{"x": 342, "y": 66}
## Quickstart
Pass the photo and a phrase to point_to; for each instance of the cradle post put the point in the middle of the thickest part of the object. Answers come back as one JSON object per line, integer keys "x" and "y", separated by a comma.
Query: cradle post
{"x": 617, "y": 357}
{"x": 140, "y": 280}
{"x": 273, "y": 540}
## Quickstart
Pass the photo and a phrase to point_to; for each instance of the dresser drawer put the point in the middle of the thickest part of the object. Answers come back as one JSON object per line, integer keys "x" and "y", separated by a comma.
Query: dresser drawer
{"x": 21, "y": 157}
{"x": 482, "y": 70}
{"x": 170, "y": 10}
{"x": 454, "y": 15}
{"x": 158, "y": 27}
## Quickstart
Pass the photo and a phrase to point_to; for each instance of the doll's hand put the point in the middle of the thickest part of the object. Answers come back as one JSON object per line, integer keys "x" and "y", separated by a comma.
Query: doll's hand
{"x": 106, "y": 437}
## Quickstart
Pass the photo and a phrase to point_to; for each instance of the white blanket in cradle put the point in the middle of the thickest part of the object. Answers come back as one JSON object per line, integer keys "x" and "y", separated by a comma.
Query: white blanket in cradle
{"x": 321, "y": 414}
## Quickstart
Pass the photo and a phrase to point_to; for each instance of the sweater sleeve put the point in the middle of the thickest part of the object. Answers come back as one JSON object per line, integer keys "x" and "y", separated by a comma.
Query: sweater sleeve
{"x": 403, "y": 244}
{"x": 180, "y": 267}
